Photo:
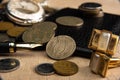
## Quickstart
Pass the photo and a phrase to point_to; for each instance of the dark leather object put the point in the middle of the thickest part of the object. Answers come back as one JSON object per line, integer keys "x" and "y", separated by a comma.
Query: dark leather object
{"x": 82, "y": 36}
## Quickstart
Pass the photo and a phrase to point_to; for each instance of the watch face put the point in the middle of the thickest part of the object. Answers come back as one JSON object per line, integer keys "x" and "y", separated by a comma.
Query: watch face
{"x": 25, "y": 9}
{"x": 91, "y": 5}
{"x": 23, "y": 6}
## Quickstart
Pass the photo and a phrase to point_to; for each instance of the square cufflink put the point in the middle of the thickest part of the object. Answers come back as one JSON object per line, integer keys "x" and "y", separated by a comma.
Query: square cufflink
{"x": 103, "y": 41}
{"x": 100, "y": 63}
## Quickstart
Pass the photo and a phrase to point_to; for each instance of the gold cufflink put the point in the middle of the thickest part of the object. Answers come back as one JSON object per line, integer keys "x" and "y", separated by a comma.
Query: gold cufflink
{"x": 100, "y": 63}
{"x": 103, "y": 41}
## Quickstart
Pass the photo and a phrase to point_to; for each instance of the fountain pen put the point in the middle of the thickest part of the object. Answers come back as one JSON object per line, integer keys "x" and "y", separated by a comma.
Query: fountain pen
{"x": 11, "y": 47}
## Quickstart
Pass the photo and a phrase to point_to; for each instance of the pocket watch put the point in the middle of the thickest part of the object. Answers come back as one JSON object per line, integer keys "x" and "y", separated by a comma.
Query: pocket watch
{"x": 25, "y": 10}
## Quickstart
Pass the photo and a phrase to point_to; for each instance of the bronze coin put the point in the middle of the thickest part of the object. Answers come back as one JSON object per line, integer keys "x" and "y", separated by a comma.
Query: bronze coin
{"x": 4, "y": 26}
{"x": 70, "y": 21}
{"x": 4, "y": 37}
{"x": 91, "y": 9}
{"x": 40, "y": 33}
{"x": 65, "y": 68}
{"x": 60, "y": 47}
{"x": 16, "y": 31}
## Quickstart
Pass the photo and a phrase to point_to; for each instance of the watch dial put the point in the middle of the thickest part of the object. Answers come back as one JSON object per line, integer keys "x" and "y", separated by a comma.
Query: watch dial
{"x": 23, "y": 6}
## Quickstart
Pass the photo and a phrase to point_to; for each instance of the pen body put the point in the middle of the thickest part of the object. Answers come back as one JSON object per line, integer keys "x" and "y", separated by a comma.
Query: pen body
{"x": 7, "y": 47}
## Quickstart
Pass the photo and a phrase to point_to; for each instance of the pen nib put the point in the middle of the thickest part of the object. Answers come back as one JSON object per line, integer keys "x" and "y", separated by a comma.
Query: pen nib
{"x": 28, "y": 45}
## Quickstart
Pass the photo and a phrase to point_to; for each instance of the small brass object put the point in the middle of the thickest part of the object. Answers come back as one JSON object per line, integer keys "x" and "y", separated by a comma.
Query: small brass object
{"x": 65, "y": 68}
{"x": 103, "y": 41}
{"x": 100, "y": 63}
{"x": 91, "y": 9}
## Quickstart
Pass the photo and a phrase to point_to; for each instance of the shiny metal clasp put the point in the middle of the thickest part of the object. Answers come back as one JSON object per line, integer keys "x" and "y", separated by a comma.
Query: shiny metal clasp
{"x": 100, "y": 63}
{"x": 103, "y": 41}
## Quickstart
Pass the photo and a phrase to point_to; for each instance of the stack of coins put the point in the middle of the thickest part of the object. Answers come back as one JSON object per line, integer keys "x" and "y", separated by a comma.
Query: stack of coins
{"x": 70, "y": 21}
{"x": 91, "y": 9}
{"x": 64, "y": 68}
{"x": 69, "y": 25}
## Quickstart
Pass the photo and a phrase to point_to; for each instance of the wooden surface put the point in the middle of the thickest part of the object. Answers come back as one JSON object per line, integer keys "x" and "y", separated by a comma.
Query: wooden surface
{"x": 30, "y": 59}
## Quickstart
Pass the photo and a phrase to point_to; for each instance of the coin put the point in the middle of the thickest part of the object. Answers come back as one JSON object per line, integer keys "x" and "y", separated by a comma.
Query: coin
{"x": 40, "y": 33}
{"x": 16, "y": 31}
{"x": 4, "y": 26}
{"x": 60, "y": 47}
{"x": 45, "y": 69}
{"x": 65, "y": 68}
{"x": 27, "y": 35}
{"x": 70, "y": 21}
{"x": 9, "y": 64}
{"x": 4, "y": 37}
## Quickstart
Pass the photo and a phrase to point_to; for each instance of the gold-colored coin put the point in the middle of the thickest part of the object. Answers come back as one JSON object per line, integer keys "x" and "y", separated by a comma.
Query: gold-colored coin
{"x": 16, "y": 31}
{"x": 70, "y": 21}
{"x": 61, "y": 47}
{"x": 4, "y": 26}
{"x": 40, "y": 33}
{"x": 65, "y": 68}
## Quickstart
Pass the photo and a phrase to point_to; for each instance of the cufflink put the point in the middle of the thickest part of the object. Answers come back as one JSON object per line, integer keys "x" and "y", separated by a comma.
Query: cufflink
{"x": 100, "y": 63}
{"x": 103, "y": 41}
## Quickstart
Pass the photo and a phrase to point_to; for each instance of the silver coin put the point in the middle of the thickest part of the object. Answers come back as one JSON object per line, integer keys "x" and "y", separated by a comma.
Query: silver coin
{"x": 40, "y": 33}
{"x": 9, "y": 64}
{"x": 70, "y": 21}
{"x": 45, "y": 69}
{"x": 61, "y": 47}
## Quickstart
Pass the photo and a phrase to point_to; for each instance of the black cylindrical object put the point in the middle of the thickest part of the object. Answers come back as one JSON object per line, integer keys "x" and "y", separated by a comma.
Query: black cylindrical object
{"x": 7, "y": 47}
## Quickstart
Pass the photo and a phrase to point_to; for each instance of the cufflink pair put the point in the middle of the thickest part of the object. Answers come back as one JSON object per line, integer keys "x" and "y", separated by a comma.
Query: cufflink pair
{"x": 104, "y": 43}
